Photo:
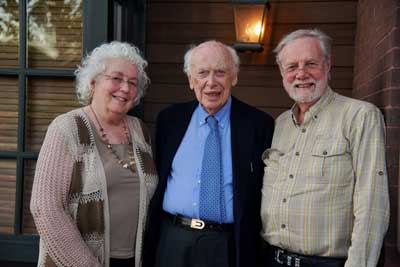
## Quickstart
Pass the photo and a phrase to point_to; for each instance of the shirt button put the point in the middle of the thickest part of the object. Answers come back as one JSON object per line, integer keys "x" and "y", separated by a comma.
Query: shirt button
{"x": 198, "y": 181}
{"x": 380, "y": 173}
{"x": 297, "y": 153}
{"x": 325, "y": 152}
{"x": 303, "y": 130}
{"x": 283, "y": 226}
{"x": 284, "y": 200}
{"x": 194, "y": 204}
{"x": 291, "y": 176}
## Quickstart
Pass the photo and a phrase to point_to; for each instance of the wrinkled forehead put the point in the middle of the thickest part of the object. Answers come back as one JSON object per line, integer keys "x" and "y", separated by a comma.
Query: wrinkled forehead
{"x": 211, "y": 56}
{"x": 301, "y": 49}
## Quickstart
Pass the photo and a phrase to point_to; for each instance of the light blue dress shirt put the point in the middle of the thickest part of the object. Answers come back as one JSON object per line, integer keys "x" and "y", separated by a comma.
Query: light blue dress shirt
{"x": 183, "y": 185}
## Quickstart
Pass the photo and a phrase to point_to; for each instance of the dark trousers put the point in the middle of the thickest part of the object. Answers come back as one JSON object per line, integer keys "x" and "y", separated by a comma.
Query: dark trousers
{"x": 316, "y": 263}
{"x": 122, "y": 262}
{"x": 181, "y": 246}
{"x": 269, "y": 259}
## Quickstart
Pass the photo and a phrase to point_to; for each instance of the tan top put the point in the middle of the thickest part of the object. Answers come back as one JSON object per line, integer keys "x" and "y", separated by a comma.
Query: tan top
{"x": 325, "y": 188}
{"x": 123, "y": 199}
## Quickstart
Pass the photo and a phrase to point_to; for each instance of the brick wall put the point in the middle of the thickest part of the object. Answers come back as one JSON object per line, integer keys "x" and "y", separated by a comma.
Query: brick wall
{"x": 377, "y": 80}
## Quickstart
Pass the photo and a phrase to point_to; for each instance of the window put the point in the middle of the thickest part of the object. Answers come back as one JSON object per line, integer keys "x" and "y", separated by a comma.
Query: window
{"x": 41, "y": 42}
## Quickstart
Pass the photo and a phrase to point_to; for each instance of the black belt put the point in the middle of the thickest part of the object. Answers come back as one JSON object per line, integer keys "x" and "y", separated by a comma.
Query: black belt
{"x": 198, "y": 224}
{"x": 287, "y": 258}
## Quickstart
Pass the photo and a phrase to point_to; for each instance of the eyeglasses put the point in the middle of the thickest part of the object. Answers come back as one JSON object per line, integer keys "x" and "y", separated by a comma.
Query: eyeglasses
{"x": 307, "y": 67}
{"x": 118, "y": 80}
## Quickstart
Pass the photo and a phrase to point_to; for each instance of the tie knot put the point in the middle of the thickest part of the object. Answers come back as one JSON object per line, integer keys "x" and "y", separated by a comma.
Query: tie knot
{"x": 212, "y": 122}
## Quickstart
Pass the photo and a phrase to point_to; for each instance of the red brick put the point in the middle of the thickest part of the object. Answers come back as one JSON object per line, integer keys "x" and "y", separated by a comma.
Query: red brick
{"x": 391, "y": 59}
{"x": 382, "y": 46}
{"x": 376, "y": 76}
{"x": 394, "y": 97}
{"x": 391, "y": 234}
{"x": 392, "y": 256}
{"x": 386, "y": 23}
{"x": 392, "y": 155}
{"x": 377, "y": 99}
{"x": 392, "y": 116}
{"x": 378, "y": 83}
{"x": 393, "y": 175}
{"x": 359, "y": 91}
{"x": 395, "y": 37}
{"x": 361, "y": 77}
{"x": 398, "y": 14}
{"x": 394, "y": 80}
{"x": 393, "y": 135}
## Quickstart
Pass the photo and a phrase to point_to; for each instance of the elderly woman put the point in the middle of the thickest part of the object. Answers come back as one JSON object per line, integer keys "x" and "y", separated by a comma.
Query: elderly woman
{"x": 95, "y": 173}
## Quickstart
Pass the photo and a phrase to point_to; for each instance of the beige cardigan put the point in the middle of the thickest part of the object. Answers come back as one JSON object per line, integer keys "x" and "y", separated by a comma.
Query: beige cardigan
{"x": 69, "y": 197}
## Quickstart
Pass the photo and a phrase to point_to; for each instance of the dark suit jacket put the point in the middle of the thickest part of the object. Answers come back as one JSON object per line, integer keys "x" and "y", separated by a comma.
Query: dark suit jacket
{"x": 251, "y": 134}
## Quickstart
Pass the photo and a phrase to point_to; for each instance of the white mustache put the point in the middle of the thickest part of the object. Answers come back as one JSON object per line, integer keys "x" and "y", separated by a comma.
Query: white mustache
{"x": 295, "y": 84}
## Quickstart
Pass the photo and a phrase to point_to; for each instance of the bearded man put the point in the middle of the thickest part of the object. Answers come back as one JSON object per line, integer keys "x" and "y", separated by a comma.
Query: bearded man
{"x": 325, "y": 191}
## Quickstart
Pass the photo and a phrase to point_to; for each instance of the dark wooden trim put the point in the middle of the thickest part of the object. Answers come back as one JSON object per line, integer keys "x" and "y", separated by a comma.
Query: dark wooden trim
{"x": 95, "y": 24}
{"x": 129, "y": 21}
{"x": 19, "y": 249}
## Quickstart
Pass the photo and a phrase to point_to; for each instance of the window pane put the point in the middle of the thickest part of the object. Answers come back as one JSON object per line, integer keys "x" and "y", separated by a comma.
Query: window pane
{"x": 8, "y": 112}
{"x": 54, "y": 33}
{"x": 28, "y": 225}
{"x": 46, "y": 99}
{"x": 9, "y": 33}
{"x": 7, "y": 195}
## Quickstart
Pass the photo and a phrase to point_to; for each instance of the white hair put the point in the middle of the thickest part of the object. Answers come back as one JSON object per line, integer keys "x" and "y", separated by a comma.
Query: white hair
{"x": 324, "y": 40}
{"x": 95, "y": 63}
{"x": 188, "y": 57}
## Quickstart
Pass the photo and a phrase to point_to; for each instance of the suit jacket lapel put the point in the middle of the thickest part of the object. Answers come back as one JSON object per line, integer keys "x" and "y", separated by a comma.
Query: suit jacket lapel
{"x": 241, "y": 138}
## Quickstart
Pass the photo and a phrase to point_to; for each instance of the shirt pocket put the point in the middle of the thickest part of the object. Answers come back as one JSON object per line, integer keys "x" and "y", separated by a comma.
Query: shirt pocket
{"x": 271, "y": 158}
{"x": 331, "y": 162}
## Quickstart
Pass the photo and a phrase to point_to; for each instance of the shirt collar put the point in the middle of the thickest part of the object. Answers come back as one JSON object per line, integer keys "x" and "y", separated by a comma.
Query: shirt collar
{"x": 222, "y": 115}
{"x": 313, "y": 112}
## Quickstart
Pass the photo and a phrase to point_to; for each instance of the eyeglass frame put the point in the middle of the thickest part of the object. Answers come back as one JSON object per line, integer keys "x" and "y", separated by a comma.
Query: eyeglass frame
{"x": 117, "y": 80}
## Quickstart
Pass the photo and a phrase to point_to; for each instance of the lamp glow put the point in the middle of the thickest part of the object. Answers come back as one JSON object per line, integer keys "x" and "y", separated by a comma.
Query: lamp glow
{"x": 253, "y": 31}
{"x": 250, "y": 17}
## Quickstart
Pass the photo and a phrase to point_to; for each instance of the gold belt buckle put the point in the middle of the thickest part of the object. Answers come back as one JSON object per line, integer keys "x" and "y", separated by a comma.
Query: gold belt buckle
{"x": 197, "y": 224}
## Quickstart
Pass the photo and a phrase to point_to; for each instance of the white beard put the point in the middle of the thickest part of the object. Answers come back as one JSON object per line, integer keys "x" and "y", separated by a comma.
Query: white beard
{"x": 305, "y": 96}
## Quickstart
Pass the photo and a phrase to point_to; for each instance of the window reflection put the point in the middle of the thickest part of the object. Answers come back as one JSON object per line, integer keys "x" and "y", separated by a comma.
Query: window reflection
{"x": 7, "y": 195}
{"x": 46, "y": 99}
{"x": 8, "y": 113}
{"x": 9, "y": 33}
{"x": 54, "y": 33}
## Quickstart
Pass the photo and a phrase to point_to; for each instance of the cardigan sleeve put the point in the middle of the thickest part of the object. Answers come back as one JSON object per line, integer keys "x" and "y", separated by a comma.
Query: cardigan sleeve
{"x": 49, "y": 203}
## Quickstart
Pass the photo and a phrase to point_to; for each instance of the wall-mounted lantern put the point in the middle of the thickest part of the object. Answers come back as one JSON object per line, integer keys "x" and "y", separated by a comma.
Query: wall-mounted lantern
{"x": 250, "y": 18}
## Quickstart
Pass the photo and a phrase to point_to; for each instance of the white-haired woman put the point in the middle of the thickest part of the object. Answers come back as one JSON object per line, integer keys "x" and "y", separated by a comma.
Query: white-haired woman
{"x": 95, "y": 174}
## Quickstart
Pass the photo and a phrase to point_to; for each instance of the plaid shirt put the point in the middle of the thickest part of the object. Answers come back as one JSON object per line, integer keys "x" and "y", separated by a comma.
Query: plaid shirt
{"x": 325, "y": 190}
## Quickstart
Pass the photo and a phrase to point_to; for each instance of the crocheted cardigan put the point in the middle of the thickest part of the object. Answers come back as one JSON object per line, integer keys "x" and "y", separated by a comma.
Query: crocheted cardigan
{"x": 69, "y": 196}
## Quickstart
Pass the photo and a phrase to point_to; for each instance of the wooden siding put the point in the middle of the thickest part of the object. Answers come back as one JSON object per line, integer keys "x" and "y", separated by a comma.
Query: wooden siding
{"x": 172, "y": 26}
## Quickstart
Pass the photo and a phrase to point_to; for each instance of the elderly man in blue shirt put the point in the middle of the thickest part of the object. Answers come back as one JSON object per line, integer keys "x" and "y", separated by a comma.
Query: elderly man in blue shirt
{"x": 205, "y": 211}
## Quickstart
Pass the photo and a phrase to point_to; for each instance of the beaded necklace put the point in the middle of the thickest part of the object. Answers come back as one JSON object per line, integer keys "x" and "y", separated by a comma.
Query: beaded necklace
{"x": 126, "y": 164}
